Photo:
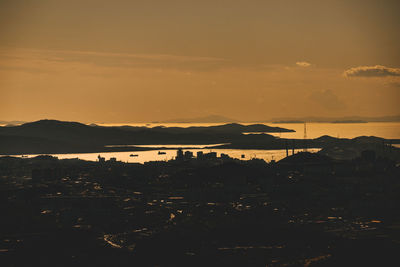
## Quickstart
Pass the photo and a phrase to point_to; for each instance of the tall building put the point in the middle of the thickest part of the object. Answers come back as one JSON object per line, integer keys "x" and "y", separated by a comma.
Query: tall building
{"x": 179, "y": 154}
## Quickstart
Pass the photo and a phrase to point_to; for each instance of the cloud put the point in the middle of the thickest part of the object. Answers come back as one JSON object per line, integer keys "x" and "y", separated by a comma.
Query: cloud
{"x": 372, "y": 71}
{"x": 303, "y": 64}
{"x": 20, "y": 58}
{"x": 327, "y": 99}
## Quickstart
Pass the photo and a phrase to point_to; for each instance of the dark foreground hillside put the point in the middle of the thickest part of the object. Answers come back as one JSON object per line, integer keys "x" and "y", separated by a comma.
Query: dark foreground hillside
{"x": 307, "y": 210}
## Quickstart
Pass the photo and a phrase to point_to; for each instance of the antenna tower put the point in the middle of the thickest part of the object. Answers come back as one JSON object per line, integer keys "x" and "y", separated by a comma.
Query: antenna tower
{"x": 305, "y": 137}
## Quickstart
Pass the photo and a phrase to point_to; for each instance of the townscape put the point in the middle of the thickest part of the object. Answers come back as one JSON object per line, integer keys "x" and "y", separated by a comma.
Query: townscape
{"x": 305, "y": 210}
{"x": 199, "y": 133}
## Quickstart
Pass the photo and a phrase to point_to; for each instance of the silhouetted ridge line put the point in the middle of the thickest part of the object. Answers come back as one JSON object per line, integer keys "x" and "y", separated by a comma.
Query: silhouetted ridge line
{"x": 53, "y": 136}
{"x": 47, "y": 122}
{"x": 306, "y": 157}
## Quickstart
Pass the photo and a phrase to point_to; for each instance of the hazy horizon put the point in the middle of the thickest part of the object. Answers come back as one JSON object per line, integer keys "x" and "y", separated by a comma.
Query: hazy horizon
{"x": 205, "y": 121}
{"x": 137, "y": 61}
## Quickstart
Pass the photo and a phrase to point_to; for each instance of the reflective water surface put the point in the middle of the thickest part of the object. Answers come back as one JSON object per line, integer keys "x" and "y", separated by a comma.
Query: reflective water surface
{"x": 144, "y": 156}
{"x": 169, "y": 146}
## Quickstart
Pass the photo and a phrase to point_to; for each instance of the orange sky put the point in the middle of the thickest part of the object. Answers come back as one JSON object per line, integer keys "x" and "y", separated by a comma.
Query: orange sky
{"x": 128, "y": 61}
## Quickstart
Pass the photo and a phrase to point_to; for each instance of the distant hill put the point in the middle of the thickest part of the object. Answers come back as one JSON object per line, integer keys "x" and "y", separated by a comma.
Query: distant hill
{"x": 347, "y": 119}
{"x": 52, "y": 136}
{"x": 231, "y": 128}
{"x": 205, "y": 119}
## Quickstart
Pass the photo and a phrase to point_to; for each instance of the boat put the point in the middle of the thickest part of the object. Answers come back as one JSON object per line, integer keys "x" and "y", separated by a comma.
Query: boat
{"x": 134, "y": 155}
{"x": 161, "y": 153}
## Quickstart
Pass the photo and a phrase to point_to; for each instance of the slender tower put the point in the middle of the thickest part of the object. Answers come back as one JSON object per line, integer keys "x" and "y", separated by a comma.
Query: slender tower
{"x": 305, "y": 137}
{"x": 293, "y": 146}
{"x": 287, "y": 149}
